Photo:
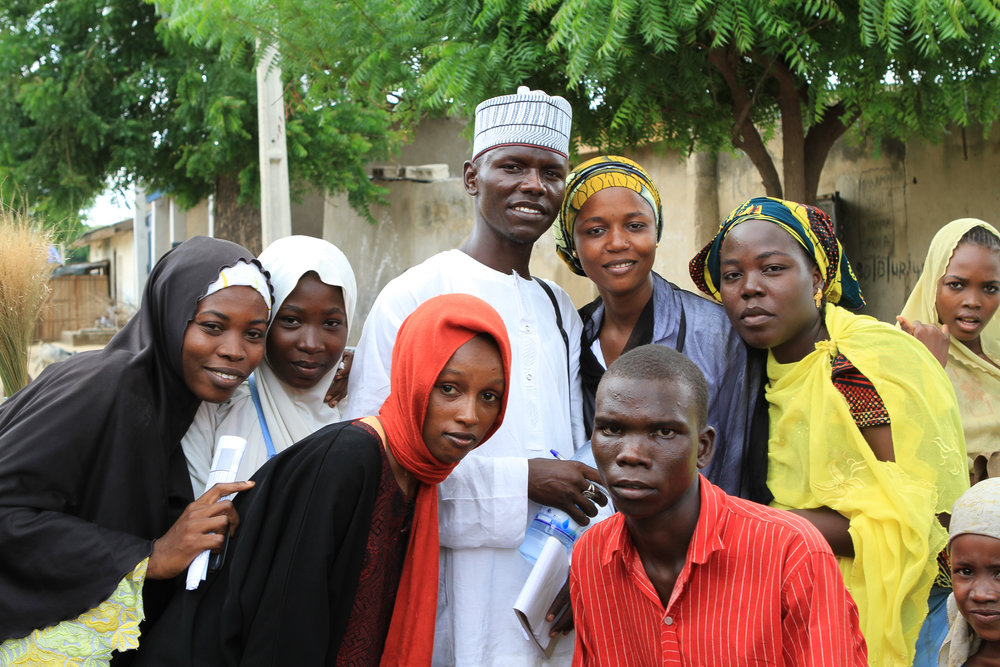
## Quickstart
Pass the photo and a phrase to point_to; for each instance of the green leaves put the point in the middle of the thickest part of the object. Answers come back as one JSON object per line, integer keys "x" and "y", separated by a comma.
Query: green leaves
{"x": 684, "y": 72}
{"x": 94, "y": 92}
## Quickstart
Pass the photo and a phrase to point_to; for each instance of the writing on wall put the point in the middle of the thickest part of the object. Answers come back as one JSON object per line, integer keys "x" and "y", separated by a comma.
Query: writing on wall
{"x": 880, "y": 206}
{"x": 886, "y": 268}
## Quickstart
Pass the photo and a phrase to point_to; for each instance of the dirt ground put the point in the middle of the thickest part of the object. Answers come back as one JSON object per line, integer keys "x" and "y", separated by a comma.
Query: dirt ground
{"x": 36, "y": 364}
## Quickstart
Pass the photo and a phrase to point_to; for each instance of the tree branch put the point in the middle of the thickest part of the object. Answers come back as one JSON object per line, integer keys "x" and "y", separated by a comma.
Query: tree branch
{"x": 744, "y": 135}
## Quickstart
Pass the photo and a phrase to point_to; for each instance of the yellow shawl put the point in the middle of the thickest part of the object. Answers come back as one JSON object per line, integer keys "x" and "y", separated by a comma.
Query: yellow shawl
{"x": 977, "y": 383}
{"x": 817, "y": 457}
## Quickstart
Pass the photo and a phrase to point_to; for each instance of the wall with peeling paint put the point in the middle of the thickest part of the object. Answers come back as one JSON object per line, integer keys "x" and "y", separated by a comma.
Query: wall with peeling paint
{"x": 891, "y": 202}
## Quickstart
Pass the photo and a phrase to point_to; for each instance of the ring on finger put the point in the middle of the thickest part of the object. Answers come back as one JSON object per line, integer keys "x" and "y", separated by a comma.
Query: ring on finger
{"x": 590, "y": 493}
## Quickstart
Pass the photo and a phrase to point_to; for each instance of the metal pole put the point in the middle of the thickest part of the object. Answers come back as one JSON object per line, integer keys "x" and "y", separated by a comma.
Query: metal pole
{"x": 275, "y": 207}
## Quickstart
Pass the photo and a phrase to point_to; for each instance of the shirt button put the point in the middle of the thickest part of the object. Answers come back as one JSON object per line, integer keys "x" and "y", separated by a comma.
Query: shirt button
{"x": 529, "y": 377}
{"x": 668, "y": 620}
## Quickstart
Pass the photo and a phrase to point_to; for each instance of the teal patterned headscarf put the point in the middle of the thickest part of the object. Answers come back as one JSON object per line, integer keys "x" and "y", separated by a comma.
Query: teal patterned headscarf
{"x": 808, "y": 225}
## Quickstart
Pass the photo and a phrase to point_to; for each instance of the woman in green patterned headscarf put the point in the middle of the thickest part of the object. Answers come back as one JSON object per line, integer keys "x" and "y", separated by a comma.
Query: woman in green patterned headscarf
{"x": 865, "y": 438}
{"x": 591, "y": 177}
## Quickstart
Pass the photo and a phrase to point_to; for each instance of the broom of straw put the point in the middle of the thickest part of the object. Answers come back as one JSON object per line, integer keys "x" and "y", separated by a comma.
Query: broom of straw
{"x": 24, "y": 275}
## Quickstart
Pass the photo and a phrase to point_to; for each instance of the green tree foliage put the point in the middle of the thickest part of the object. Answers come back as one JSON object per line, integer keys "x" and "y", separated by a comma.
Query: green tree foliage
{"x": 704, "y": 74}
{"x": 695, "y": 74}
{"x": 94, "y": 92}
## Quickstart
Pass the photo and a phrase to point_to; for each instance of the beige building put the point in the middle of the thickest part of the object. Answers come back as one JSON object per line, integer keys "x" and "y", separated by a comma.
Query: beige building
{"x": 114, "y": 244}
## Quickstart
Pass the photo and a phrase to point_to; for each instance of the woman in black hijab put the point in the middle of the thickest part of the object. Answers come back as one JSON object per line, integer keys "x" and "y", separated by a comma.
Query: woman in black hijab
{"x": 93, "y": 482}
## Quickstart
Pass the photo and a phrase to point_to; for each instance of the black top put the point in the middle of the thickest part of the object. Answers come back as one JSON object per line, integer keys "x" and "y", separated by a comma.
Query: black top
{"x": 91, "y": 468}
{"x": 591, "y": 370}
{"x": 285, "y": 593}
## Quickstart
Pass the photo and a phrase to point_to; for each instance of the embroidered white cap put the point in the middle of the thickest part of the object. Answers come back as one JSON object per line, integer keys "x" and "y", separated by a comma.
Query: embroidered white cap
{"x": 527, "y": 118}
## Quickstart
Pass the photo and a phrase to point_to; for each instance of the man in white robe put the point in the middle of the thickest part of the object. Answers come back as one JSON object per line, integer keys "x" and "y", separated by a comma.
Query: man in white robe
{"x": 517, "y": 176}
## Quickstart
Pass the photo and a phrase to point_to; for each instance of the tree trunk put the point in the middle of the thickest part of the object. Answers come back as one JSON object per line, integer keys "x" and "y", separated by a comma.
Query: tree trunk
{"x": 754, "y": 147}
{"x": 236, "y": 222}
{"x": 804, "y": 154}
{"x": 793, "y": 159}
{"x": 818, "y": 143}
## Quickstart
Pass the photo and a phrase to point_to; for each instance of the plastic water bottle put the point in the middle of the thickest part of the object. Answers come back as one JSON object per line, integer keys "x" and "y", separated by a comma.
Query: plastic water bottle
{"x": 552, "y": 522}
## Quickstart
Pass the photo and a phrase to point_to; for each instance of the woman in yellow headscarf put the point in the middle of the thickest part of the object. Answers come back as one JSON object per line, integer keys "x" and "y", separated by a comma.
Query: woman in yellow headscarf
{"x": 608, "y": 229}
{"x": 865, "y": 439}
{"x": 951, "y": 309}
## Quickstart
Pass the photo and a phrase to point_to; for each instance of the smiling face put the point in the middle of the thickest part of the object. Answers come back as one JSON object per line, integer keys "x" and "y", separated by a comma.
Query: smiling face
{"x": 647, "y": 444}
{"x": 975, "y": 567}
{"x": 308, "y": 334}
{"x": 615, "y": 239}
{"x": 465, "y": 400}
{"x": 767, "y": 286}
{"x": 224, "y": 342}
{"x": 518, "y": 191}
{"x": 969, "y": 292}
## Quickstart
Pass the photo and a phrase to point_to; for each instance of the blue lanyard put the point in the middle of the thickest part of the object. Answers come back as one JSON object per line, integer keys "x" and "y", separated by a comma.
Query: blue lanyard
{"x": 252, "y": 381}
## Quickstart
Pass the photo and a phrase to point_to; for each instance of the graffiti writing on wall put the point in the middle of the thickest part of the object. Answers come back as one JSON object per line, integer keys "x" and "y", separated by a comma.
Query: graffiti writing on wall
{"x": 876, "y": 257}
{"x": 885, "y": 268}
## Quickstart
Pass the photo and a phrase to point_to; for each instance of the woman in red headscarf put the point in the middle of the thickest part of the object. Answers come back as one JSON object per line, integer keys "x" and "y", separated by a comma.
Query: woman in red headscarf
{"x": 336, "y": 560}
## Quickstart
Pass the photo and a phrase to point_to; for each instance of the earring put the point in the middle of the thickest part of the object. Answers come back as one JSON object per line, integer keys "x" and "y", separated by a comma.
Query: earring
{"x": 818, "y": 297}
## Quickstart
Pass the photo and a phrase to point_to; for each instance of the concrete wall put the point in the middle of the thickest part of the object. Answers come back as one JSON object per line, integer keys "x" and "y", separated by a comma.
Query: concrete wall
{"x": 307, "y": 214}
{"x": 118, "y": 250}
{"x": 893, "y": 200}
{"x": 898, "y": 202}
{"x": 421, "y": 220}
{"x": 425, "y": 218}
{"x": 438, "y": 140}
{"x": 171, "y": 225}
{"x": 197, "y": 220}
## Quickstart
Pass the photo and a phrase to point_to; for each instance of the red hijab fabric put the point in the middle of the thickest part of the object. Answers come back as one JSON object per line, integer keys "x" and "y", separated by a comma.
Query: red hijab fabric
{"x": 426, "y": 341}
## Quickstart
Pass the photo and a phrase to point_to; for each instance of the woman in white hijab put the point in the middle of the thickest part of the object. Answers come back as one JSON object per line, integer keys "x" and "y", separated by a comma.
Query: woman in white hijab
{"x": 974, "y": 606}
{"x": 314, "y": 295}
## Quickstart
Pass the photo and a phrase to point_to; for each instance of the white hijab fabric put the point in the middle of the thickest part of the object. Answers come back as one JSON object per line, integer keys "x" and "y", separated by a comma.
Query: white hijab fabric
{"x": 242, "y": 273}
{"x": 290, "y": 258}
{"x": 977, "y": 512}
{"x": 291, "y": 414}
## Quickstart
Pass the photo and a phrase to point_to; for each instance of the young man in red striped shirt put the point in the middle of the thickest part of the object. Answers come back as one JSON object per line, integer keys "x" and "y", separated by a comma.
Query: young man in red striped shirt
{"x": 686, "y": 574}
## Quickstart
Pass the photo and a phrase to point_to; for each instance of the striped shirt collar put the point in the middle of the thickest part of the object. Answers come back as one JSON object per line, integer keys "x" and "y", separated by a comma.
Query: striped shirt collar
{"x": 706, "y": 540}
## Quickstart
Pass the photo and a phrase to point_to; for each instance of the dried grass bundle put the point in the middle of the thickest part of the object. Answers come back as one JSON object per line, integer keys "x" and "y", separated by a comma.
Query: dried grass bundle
{"x": 24, "y": 276}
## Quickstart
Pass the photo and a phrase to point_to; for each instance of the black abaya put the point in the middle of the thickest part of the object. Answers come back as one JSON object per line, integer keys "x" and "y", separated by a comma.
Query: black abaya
{"x": 91, "y": 468}
{"x": 285, "y": 593}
